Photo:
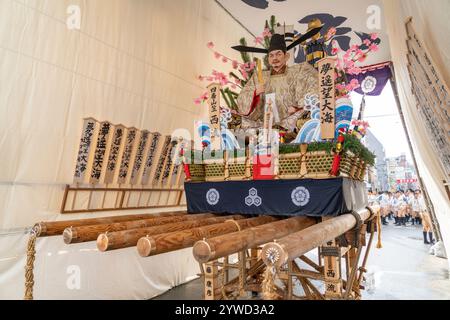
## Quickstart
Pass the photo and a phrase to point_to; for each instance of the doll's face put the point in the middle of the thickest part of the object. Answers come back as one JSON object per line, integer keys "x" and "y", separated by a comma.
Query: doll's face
{"x": 278, "y": 59}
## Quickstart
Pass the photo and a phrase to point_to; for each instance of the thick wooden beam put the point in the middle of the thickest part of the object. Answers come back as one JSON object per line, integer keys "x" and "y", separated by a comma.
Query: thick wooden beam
{"x": 91, "y": 232}
{"x": 214, "y": 248}
{"x": 298, "y": 243}
{"x": 166, "y": 242}
{"x": 54, "y": 228}
{"x": 129, "y": 238}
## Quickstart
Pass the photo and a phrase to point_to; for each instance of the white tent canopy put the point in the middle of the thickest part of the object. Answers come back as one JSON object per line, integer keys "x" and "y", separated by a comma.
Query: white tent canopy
{"x": 136, "y": 63}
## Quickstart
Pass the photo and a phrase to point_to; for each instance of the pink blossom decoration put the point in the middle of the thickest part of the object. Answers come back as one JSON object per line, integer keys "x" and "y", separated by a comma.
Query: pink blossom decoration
{"x": 235, "y": 64}
{"x": 349, "y": 63}
{"x": 373, "y": 47}
{"x": 204, "y": 96}
{"x": 354, "y": 83}
{"x": 197, "y": 101}
{"x": 244, "y": 74}
{"x": 374, "y": 36}
{"x": 217, "y": 55}
{"x": 258, "y": 40}
{"x": 346, "y": 56}
{"x": 367, "y": 42}
{"x": 362, "y": 58}
{"x": 334, "y": 51}
{"x": 220, "y": 77}
{"x": 331, "y": 32}
{"x": 210, "y": 45}
{"x": 340, "y": 86}
{"x": 224, "y": 59}
{"x": 266, "y": 33}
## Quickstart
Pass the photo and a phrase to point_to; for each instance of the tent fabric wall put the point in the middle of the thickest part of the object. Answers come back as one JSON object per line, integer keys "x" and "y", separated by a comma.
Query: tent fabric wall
{"x": 430, "y": 21}
{"x": 133, "y": 62}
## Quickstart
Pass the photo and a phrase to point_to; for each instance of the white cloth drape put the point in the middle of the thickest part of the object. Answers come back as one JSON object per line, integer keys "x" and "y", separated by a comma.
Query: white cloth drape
{"x": 431, "y": 23}
{"x": 133, "y": 62}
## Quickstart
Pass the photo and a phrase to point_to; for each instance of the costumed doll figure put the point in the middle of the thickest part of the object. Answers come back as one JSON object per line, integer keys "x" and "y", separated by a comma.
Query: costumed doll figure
{"x": 290, "y": 85}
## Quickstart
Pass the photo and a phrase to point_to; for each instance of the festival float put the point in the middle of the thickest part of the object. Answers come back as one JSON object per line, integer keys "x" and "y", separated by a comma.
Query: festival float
{"x": 259, "y": 199}
{"x": 312, "y": 185}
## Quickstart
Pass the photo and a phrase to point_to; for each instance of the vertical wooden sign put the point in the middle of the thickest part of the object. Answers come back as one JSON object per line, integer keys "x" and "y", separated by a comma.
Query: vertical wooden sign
{"x": 126, "y": 158}
{"x": 155, "y": 138}
{"x": 116, "y": 143}
{"x": 140, "y": 154}
{"x": 332, "y": 272}
{"x": 327, "y": 98}
{"x": 171, "y": 159}
{"x": 100, "y": 151}
{"x": 214, "y": 114}
{"x": 83, "y": 151}
{"x": 162, "y": 159}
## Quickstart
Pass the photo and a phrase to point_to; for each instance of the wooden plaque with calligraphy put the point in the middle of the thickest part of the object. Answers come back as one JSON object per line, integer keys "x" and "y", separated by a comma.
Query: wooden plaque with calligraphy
{"x": 171, "y": 160}
{"x": 327, "y": 98}
{"x": 87, "y": 136}
{"x": 149, "y": 162}
{"x": 214, "y": 113}
{"x": 162, "y": 160}
{"x": 100, "y": 152}
{"x": 115, "y": 148}
{"x": 127, "y": 153}
{"x": 140, "y": 155}
{"x": 113, "y": 154}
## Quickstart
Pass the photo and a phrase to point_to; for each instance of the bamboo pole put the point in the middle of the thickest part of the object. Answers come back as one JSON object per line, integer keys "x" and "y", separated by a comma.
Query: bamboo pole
{"x": 129, "y": 238}
{"x": 54, "y": 228}
{"x": 166, "y": 242}
{"x": 91, "y": 232}
{"x": 214, "y": 248}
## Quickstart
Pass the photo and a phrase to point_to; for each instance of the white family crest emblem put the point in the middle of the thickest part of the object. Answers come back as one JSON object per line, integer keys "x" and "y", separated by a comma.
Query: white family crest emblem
{"x": 212, "y": 196}
{"x": 253, "y": 198}
{"x": 368, "y": 84}
{"x": 300, "y": 196}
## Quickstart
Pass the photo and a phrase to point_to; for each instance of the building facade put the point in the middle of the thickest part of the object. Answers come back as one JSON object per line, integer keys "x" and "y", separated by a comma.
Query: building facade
{"x": 377, "y": 176}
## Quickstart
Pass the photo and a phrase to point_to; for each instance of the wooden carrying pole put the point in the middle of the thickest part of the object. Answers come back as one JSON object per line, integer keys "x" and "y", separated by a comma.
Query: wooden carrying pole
{"x": 54, "y": 228}
{"x": 129, "y": 238}
{"x": 298, "y": 243}
{"x": 91, "y": 232}
{"x": 148, "y": 246}
{"x": 217, "y": 247}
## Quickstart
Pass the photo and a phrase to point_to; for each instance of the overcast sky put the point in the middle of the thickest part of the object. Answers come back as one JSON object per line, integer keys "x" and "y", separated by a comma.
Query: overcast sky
{"x": 382, "y": 114}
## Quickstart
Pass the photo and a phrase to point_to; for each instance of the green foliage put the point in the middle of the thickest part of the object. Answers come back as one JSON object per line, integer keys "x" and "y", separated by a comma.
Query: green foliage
{"x": 354, "y": 145}
{"x": 321, "y": 146}
{"x": 351, "y": 143}
{"x": 285, "y": 148}
{"x": 244, "y": 55}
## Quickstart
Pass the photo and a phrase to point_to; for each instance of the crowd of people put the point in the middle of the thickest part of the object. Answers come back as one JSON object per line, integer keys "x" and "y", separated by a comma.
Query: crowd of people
{"x": 404, "y": 208}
